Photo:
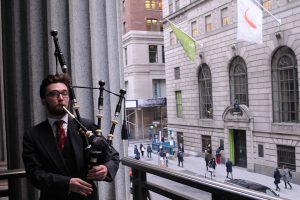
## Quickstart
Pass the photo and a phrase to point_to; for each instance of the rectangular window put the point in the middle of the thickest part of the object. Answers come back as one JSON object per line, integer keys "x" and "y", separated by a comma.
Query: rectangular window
{"x": 163, "y": 53}
{"x": 260, "y": 150}
{"x": 161, "y": 26}
{"x": 153, "y": 54}
{"x": 159, "y": 88}
{"x": 206, "y": 140}
{"x": 151, "y": 24}
{"x": 180, "y": 138}
{"x": 150, "y": 4}
{"x": 221, "y": 144}
{"x": 208, "y": 23}
{"x": 173, "y": 40}
{"x": 160, "y": 4}
{"x": 225, "y": 16}
{"x": 177, "y": 5}
{"x": 286, "y": 156}
{"x": 194, "y": 29}
{"x": 267, "y": 4}
{"x": 177, "y": 73}
{"x": 178, "y": 103}
{"x": 125, "y": 56}
{"x": 171, "y": 7}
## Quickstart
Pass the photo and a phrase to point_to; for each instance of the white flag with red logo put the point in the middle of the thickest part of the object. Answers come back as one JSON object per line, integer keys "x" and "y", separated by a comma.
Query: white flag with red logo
{"x": 249, "y": 21}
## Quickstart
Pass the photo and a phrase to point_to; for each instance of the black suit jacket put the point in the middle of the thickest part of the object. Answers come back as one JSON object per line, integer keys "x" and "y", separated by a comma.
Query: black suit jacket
{"x": 45, "y": 166}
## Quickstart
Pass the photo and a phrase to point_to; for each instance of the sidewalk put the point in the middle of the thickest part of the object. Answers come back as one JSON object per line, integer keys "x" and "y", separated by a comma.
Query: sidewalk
{"x": 196, "y": 166}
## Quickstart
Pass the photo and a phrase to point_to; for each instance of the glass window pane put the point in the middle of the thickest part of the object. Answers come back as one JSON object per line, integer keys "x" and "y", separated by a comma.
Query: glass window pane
{"x": 205, "y": 92}
{"x": 153, "y": 54}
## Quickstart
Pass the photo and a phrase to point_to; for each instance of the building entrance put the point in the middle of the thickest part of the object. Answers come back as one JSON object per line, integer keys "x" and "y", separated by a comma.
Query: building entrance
{"x": 240, "y": 148}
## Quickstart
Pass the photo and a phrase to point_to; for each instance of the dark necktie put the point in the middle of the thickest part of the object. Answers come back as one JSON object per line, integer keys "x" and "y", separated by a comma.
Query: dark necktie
{"x": 61, "y": 135}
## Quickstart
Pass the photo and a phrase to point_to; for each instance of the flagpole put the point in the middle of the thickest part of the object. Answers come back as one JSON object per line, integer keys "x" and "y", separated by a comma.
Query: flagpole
{"x": 201, "y": 45}
{"x": 278, "y": 20}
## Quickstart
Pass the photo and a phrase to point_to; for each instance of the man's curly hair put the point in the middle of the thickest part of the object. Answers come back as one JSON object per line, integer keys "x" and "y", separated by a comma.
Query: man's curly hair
{"x": 58, "y": 78}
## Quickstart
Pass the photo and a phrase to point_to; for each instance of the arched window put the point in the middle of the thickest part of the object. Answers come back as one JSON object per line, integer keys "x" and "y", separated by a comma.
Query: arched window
{"x": 205, "y": 92}
{"x": 238, "y": 81}
{"x": 285, "y": 86}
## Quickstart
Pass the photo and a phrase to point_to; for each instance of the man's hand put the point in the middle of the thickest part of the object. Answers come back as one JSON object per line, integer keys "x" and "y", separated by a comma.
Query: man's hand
{"x": 97, "y": 173}
{"x": 79, "y": 186}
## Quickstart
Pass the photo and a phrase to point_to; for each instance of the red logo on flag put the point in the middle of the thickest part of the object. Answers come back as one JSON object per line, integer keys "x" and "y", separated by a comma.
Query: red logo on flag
{"x": 249, "y": 22}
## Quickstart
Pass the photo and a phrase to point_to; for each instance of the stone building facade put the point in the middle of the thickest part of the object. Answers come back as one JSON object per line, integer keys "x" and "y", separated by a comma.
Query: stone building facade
{"x": 239, "y": 95}
{"x": 144, "y": 67}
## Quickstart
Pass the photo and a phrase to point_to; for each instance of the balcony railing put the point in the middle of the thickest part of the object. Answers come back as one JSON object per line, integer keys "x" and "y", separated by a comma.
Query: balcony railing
{"x": 10, "y": 175}
{"x": 218, "y": 190}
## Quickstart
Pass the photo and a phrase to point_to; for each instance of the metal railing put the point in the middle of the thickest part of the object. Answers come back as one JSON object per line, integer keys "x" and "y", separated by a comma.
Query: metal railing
{"x": 218, "y": 190}
{"x": 10, "y": 175}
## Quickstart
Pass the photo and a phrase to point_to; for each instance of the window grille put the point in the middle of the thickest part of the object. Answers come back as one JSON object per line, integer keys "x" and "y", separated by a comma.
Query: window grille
{"x": 238, "y": 81}
{"x": 286, "y": 157}
{"x": 205, "y": 92}
{"x": 285, "y": 86}
{"x": 158, "y": 88}
{"x": 153, "y": 54}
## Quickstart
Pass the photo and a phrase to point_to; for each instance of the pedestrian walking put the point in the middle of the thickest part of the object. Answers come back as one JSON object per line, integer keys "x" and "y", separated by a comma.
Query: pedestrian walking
{"x": 277, "y": 177}
{"x": 212, "y": 166}
{"x": 149, "y": 151}
{"x": 287, "y": 176}
{"x": 218, "y": 155}
{"x": 161, "y": 157}
{"x": 229, "y": 168}
{"x": 207, "y": 158}
{"x": 167, "y": 158}
{"x": 142, "y": 150}
{"x": 180, "y": 157}
{"x": 136, "y": 153}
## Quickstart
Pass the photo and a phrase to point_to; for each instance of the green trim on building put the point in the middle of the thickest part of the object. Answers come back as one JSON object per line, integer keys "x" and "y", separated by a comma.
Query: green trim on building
{"x": 231, "y": 146}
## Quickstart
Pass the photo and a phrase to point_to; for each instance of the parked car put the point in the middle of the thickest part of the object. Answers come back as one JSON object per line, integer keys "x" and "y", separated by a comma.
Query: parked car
{"x": 252, "y": 186}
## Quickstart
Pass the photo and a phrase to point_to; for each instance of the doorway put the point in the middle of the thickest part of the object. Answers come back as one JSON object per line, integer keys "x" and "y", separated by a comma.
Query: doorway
{"x": 238, "y": 147}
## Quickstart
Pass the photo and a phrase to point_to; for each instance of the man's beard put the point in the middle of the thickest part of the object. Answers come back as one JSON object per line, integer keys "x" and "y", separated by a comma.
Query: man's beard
{"x": 56, "y": 111}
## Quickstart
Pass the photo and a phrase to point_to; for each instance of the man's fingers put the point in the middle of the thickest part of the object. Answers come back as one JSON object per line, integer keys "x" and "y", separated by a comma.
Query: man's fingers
{"x": 86, "y": 184}
{"x": 81, "y": 187}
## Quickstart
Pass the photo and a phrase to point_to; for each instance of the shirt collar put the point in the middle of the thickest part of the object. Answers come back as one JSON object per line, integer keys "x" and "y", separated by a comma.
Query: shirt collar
{"x": 53, "y": 120}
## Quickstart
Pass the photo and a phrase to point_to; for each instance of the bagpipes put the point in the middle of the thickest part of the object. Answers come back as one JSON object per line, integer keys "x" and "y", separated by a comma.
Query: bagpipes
{"x": 93, "y": 141}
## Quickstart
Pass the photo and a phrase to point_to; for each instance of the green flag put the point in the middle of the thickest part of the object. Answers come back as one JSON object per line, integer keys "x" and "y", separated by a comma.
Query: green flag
{"x": 187, "y": 42}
